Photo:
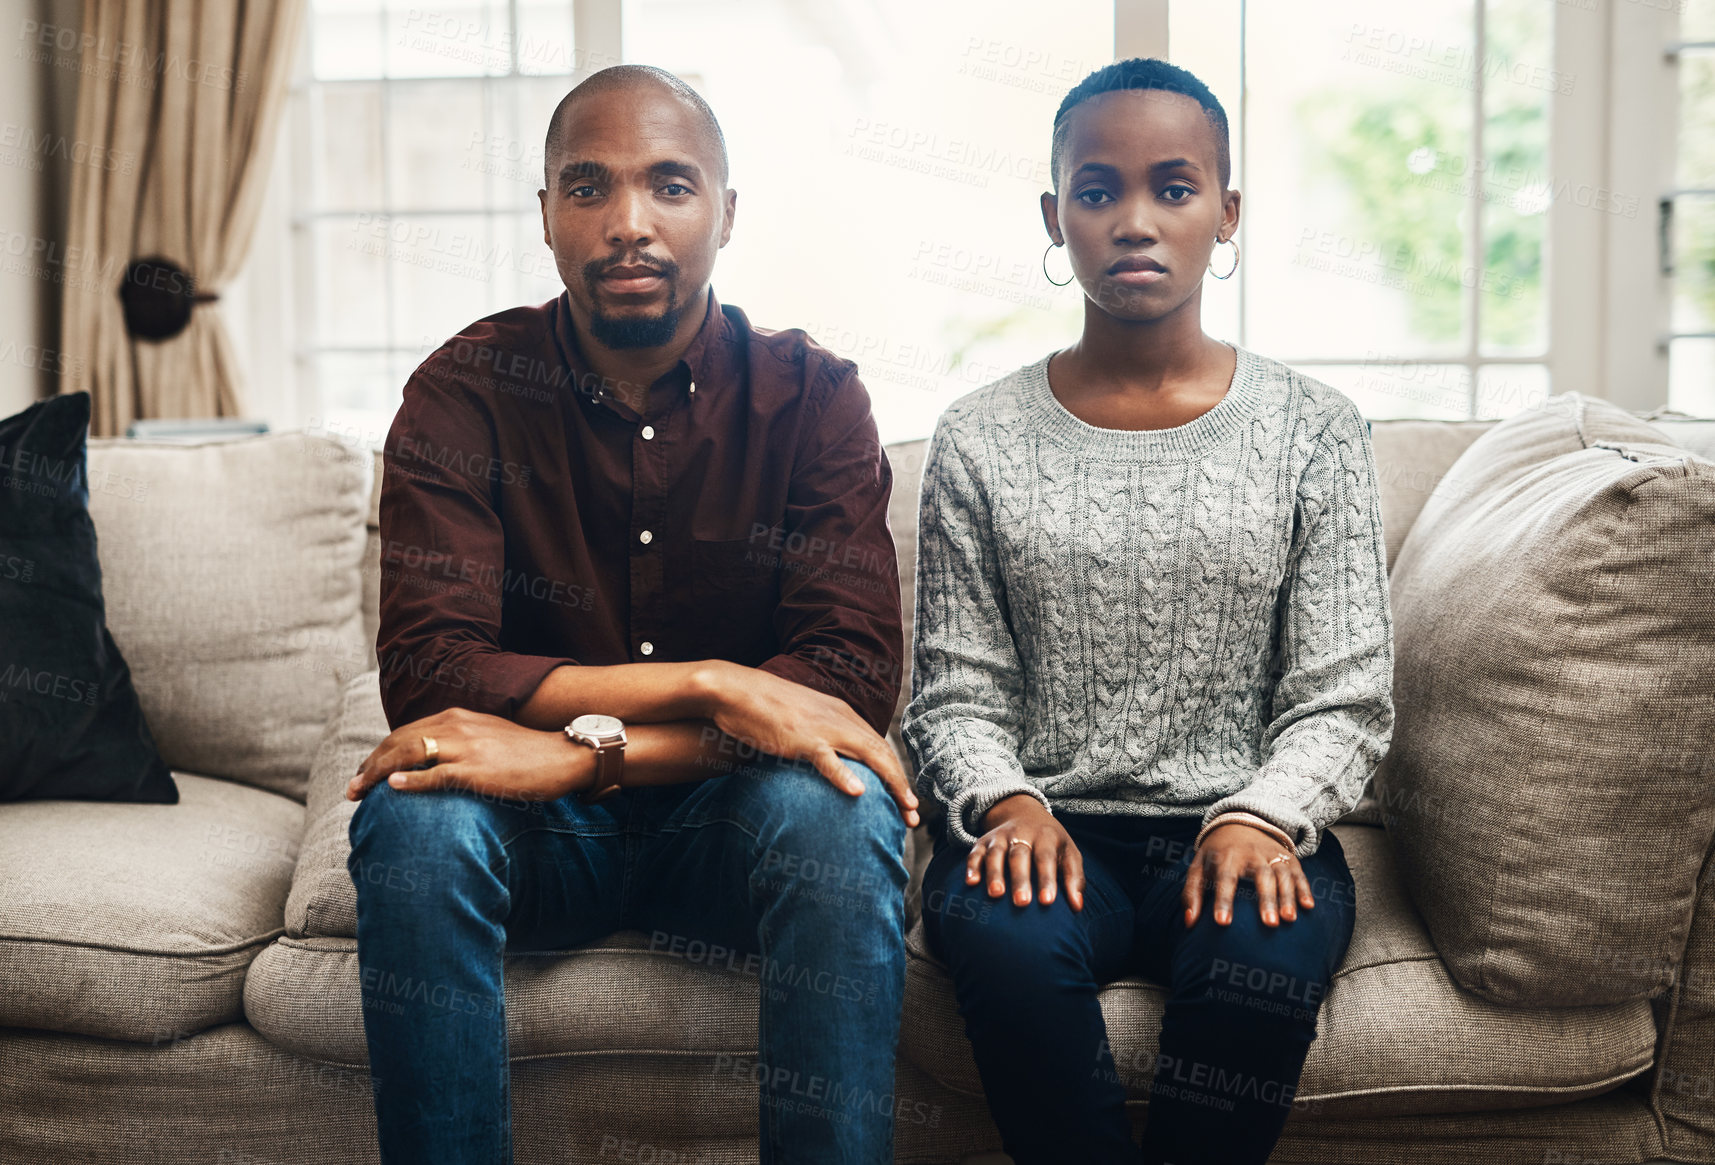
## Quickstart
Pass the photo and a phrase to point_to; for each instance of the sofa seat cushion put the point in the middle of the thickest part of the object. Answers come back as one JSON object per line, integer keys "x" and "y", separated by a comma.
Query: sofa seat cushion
{"x": 615, "y": 995}
{"x": 1395, "y": 1036}
{"x": 136, "y": 922}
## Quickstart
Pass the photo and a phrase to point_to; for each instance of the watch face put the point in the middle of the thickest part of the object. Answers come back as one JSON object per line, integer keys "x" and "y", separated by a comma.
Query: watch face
{"x": 597, "y": 725}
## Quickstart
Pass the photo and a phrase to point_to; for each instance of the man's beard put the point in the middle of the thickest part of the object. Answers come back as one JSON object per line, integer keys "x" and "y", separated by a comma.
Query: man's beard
{"x": 633, "y": 331}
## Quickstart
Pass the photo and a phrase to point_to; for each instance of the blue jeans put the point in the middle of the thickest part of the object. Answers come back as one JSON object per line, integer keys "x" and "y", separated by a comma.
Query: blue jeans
{"x": 1240, "y": 1014}
{"x": 790, "y": 879}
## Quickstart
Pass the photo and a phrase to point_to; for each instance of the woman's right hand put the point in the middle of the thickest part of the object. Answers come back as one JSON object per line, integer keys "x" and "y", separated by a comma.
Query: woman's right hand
{"x": 1023, "y": 835}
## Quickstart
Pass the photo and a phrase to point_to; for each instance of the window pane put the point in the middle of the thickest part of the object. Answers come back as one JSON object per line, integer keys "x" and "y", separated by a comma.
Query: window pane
{"x": 545, "y": 39}
{"x": 348, "y": 134}
{"x": 1360, "y": 129}
{"x": 1694, "y": 264}
{"x": 429, "y": 126}
{"x": 1518, "y": 83}
{"x": 444, "y": 269}
{"x": 1691, "y": 376}
{"x": 347, "y": 37}
{"x": 1204, "y": 37}
{"x": 353, "y": 382}
{"x": 1697, "y": 118}
{"x": 889, "y": 163}
{"x": 1386, "y": 391}
{"x": 1696, "y": 19}
{"x": 509, "y": 154}
{"x": 351, "y": 279}
{"x": 533, "y": 276}
{"x": 1505, "y": 389}
{"x": 468, "y": 39}
{"x": 359, "y": 428}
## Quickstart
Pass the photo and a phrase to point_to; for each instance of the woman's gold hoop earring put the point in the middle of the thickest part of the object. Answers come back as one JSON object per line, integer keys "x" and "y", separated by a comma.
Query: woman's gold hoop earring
{"x": 1045, "y": 274}
{"x": 1231, "y": 269}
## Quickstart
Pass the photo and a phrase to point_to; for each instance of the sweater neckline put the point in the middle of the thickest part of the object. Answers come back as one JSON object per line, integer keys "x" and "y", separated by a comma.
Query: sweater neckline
{"x": 1229, "y": 416}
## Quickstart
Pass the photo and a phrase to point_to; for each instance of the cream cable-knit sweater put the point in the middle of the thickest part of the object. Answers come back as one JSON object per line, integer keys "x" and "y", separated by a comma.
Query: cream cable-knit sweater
{"x": 1171, "y": 621}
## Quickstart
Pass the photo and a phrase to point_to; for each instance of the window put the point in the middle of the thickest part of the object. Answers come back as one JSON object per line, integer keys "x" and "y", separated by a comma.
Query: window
{"x": 1428, "y": 220}
{"x": 418, "y": 154}
{"x": 1398, "y": 193}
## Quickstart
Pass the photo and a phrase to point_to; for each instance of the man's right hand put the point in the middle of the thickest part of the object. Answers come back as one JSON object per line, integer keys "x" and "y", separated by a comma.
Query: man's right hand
{"x": 791, "y": 721}
{"x": 1022, "y": 836}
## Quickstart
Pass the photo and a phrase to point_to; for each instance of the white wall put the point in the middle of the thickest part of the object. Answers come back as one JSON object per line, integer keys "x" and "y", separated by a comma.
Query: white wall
{"x": 38, "y": 122}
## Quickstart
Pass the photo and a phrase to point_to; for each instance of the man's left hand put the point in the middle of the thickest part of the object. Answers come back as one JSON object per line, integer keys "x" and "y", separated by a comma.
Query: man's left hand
{"x": 486, "y": 754}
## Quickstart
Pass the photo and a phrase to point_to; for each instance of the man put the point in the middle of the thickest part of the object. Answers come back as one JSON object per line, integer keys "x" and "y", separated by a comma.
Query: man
{"x": 630, "y": 540}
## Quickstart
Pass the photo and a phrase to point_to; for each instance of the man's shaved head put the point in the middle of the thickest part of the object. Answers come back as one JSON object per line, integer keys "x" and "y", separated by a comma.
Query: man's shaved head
{"x": 626, "y": 76}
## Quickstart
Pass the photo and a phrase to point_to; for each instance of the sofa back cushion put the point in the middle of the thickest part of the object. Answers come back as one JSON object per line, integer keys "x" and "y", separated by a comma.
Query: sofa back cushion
{"x": 231, "y": 573}
{"x": 1549, "y": 782}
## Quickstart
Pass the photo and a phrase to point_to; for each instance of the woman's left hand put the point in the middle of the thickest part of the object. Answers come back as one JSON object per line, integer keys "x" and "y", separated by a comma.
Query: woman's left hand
{"x": 1233, "y": 851}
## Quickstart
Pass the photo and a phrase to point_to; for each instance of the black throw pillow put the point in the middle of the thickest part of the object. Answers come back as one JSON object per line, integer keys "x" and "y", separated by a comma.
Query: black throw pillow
{"x": 70, "y": 723}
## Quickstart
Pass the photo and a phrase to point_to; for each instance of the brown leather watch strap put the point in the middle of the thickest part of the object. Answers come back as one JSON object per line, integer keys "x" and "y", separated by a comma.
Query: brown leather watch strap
{"x": 609, "y": 770}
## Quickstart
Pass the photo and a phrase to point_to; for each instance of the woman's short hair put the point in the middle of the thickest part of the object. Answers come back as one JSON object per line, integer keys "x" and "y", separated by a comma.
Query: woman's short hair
{"x": 1141, "y": 73}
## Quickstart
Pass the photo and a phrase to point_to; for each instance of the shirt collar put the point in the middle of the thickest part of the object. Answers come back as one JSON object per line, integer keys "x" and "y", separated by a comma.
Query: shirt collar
{"x": 707, "y": 363}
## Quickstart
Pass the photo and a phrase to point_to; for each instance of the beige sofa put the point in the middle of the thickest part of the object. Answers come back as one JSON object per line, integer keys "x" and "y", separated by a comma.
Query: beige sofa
{"x": 180, "y": 983}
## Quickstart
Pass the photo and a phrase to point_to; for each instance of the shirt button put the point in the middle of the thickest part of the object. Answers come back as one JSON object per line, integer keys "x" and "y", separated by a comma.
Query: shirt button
{"x": 646, "y": 537}
{"x": 649, "y": 432}
{"x": 646, "y": 647}
{"x": 693, "y": 386}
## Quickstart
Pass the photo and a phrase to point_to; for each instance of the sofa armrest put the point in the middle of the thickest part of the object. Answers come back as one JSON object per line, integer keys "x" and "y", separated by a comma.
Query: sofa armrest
{"x": 1682, "y": 1085}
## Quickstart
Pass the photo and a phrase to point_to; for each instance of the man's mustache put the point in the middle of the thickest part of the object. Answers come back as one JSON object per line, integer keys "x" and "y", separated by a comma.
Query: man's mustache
{"x": 596, "y": 268}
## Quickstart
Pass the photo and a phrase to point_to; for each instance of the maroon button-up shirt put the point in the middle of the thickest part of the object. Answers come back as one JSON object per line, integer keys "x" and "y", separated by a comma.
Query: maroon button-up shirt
{"x": 529, "y": 519}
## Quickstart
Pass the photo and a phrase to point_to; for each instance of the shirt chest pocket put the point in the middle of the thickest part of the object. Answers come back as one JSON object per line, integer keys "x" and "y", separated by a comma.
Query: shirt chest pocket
{"x": 734, "y": 590}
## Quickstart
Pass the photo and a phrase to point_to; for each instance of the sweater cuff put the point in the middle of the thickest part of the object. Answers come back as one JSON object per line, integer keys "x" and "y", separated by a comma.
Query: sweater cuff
{"x": 965, "y": 811}
{"x": 1277, "y": 811}
{"x": 1240, "y": 817}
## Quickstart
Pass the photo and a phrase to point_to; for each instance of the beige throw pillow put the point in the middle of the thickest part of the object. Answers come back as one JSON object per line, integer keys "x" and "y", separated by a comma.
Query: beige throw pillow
{"x": 1550, "y": 788}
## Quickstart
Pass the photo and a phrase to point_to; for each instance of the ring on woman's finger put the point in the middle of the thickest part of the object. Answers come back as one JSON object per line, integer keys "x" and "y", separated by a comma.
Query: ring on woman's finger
{"x": 1019, "y": 841}
{"x": 1279, "y": 858}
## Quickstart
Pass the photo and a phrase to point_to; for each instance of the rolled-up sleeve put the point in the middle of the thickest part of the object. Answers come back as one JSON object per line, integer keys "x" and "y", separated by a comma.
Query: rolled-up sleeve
{"x": 442, "y": 565}
{"x": 1333, "y": 712}
{"x": 838, "y": 621}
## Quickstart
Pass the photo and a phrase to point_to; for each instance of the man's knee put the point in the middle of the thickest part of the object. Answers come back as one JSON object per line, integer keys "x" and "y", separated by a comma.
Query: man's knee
{"x": 407, "y": 841}
{"x": 824, "y": 845}
{"x": 809, "y": 805}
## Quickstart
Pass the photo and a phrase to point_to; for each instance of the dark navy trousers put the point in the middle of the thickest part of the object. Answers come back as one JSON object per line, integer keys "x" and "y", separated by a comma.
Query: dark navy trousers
{"x": 1240, "y": 1013}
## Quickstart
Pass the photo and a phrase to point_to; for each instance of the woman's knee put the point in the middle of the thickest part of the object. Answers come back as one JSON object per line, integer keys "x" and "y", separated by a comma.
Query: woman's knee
{"x": 1023, "y": 949}
{"x": 1281, "y": 972}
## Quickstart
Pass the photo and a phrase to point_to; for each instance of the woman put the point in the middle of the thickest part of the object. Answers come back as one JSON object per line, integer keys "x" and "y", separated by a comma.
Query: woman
{"x": 1153, "y": 664}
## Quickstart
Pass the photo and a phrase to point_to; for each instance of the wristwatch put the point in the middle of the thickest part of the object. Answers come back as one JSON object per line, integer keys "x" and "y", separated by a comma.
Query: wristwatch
{"x": 605, "y": 734}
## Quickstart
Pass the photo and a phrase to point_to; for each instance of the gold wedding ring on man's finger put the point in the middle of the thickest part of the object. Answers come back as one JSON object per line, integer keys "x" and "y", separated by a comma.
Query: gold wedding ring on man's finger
{"x": 433, "y": 749}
